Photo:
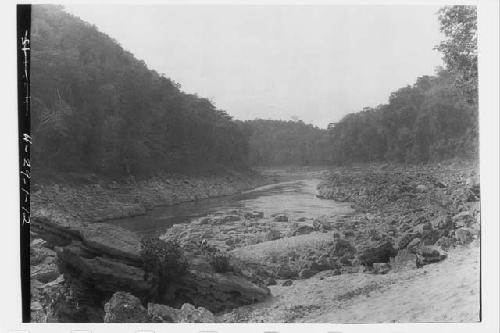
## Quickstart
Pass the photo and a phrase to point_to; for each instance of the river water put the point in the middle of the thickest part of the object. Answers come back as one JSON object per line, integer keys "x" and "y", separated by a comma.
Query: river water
{"x": 296, "y": 198}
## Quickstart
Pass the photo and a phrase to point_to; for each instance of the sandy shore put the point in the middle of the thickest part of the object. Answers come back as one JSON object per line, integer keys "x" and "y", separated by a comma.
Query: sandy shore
{"x": 447, "y": 291}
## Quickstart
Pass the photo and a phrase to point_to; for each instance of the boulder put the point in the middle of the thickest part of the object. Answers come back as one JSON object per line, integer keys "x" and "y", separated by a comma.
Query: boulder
{"x": 379, "y": 252}
{"x": 406, "y": 239}
{"x": 230, "y": 218}
{"x": 463, "y": 219}
{"x": 281, "y": 218}
{"x": 427, "y": 234}
{"x": 414, "y": 245}
{"x": 43, "y": 262}
{"x": 422, "y": 226}
{"x": 254, "y": 215}
{"x": 46, "y": 298}
{"x": 440, "y": 184}
{"x": 104, "y": 274}
{"x": 302, "y": 230}
{"x": 39, "y": 251}
{"x": 421, "y": 188}
{"x": 404, "y": 260}
{"x": 45, "y": 271}
{"x": 285, "y": 272}
{"x": 348, "y": 270}
{"x": 272, "y": 234}
{"x": 342, "y": 247}
{"x": 443, "y": 222}
{"x": 218, "y": 220}
{"x": 39, "y": 254}
{"x": 430, "y": 254}
{"x": 188, "y": 313}
{"x": 445, "y": 243}
{"x": 307, "y": 273}
{"x": 349, "y": 233}
{"x": 430, "y": 236}
{"x": 322, "y": 224}
{"x": 124, "y": 307}
{"x": 463, "y": 236}
{"x": 115, "y": 242}
{"x": 214, "y": 291}
{"x": 381, "y": 267}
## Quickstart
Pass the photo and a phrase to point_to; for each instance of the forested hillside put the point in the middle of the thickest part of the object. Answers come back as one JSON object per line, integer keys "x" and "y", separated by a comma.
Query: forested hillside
{"x": 96, "y": 108}
{"x": 436, "y": 118}
{"x": 428, "y": 121}
{"x": 276, "y": 142}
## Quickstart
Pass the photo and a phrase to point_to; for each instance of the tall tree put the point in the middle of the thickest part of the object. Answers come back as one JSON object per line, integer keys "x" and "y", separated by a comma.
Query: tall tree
{"x": 459, "y": 25}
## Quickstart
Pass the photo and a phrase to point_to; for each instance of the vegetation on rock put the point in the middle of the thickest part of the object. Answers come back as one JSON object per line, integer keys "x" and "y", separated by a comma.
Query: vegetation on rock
{"x": 164, "y": 262}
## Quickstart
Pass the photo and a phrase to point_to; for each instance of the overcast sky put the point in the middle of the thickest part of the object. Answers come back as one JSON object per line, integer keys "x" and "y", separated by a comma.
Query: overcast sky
{"x": 315, "y": 63}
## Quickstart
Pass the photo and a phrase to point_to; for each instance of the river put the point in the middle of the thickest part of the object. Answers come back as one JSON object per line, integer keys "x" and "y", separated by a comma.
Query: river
{"x": 296, "y": 198}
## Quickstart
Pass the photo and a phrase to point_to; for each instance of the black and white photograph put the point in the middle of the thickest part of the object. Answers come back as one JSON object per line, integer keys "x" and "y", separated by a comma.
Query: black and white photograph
{"x": 252, "y": 163}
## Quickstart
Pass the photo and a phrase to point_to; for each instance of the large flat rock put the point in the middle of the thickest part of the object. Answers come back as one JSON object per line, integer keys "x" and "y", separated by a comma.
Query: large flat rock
{"x": 106, "y": 259}
{"x": 215, "y": 291}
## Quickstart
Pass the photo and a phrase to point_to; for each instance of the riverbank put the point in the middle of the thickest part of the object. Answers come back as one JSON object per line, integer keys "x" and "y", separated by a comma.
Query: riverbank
{"x": 96, "y": 201}
{"x": 406, "y": 222}
{"x": 76, "y": 260}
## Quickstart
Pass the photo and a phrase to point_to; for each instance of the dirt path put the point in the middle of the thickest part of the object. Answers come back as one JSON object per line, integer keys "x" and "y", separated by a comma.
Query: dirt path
{"x": 442, "y": 292}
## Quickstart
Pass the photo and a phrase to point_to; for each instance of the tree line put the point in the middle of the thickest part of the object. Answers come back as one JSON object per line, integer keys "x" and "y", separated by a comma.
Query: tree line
{"x": 277, "y": 142}
{"x": 95, "y": 108}
{"x": 434, "y": 119}
{"x": 428, "y": 121}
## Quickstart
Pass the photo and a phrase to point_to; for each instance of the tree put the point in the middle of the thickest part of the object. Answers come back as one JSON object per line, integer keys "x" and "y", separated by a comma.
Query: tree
{"x": 459, "y": 25}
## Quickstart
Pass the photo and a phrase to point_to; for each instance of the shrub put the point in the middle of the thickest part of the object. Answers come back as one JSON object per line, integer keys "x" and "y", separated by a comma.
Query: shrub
{"x": 163, "y": 262}
{"x": 272, "y": 234}
{"x": 218, "y": 261}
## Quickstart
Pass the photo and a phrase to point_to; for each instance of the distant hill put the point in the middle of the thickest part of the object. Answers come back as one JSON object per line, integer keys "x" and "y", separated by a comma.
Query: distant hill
{"x": 277, "y": 142}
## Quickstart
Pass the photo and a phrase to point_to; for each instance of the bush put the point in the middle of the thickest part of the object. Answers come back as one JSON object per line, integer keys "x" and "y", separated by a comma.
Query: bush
{"x": 163, "y": 262}
{"x": 218, "y": 261}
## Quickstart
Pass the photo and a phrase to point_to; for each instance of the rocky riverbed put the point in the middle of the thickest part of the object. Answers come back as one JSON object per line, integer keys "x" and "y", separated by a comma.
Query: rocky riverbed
{"x": 404, "y": 219}
{"x": 77, "y": 262}
{"x": 242, "y": 261}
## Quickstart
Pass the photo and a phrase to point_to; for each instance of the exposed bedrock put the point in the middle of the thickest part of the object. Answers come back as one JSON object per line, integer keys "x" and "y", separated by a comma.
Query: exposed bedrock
{"x": 106, "y": 259}
{"x": 126, "y": 308}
